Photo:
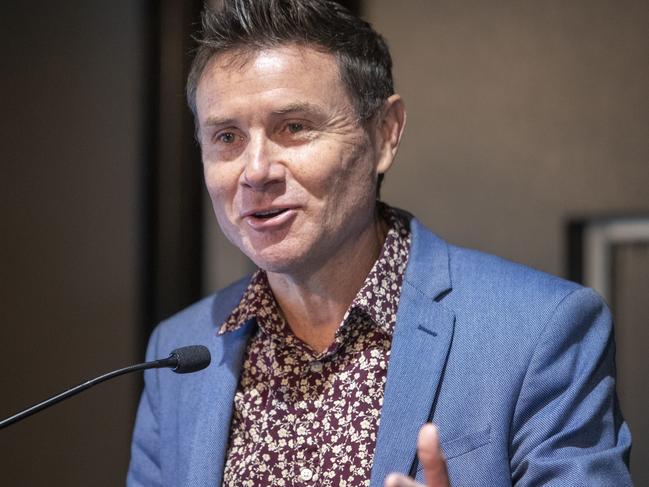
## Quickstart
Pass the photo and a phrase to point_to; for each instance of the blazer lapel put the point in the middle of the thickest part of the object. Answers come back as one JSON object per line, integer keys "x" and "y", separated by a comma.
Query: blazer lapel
{"x": 420, "y": 348}
{"x": 213, "y": 412}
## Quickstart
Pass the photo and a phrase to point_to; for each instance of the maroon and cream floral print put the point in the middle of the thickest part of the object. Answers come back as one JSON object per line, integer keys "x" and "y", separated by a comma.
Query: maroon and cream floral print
{"x": 303, "y": 418}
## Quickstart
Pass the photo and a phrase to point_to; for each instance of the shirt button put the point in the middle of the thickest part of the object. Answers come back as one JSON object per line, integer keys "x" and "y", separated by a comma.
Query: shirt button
{"x": 306, "y": 474}
{"x": 316, "y": 367}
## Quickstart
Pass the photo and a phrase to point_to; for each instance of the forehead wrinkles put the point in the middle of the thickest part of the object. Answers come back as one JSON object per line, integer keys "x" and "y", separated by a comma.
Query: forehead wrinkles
{"x": 313, "y": 70}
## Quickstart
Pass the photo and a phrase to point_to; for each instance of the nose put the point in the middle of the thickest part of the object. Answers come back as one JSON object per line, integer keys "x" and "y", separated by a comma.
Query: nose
{"x": 262, "y": 168}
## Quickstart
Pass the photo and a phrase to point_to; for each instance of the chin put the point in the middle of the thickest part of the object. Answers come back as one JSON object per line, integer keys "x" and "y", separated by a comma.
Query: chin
{"x": 277, "y": 266}
{"x": 277, "y": 261}
{"x": 280, "y": 254}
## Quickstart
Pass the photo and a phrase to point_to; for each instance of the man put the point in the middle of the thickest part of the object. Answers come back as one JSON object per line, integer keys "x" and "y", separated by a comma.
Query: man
{"x": 360, "y": 325}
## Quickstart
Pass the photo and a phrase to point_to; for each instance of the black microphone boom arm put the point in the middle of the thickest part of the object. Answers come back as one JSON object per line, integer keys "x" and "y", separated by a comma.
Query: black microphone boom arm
{"x": 183, "y": 360}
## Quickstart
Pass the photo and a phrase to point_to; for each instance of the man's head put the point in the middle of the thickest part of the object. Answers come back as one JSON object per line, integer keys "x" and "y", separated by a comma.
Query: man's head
{"x": 246, "y": 26}
{"x": 293, "y": 144}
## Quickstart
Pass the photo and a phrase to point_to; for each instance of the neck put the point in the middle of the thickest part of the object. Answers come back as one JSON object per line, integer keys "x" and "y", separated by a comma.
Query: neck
{"x": 314, "y": 304}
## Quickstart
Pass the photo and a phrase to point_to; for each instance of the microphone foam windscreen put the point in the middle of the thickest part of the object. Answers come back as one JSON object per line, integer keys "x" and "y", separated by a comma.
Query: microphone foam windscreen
{"x": 191, "y": 358}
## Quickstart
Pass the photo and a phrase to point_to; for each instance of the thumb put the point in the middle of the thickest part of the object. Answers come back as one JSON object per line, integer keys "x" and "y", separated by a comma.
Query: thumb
{"x": 431, "y": 457}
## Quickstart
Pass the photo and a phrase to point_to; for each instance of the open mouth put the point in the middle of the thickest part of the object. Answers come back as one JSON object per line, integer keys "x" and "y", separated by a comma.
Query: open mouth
{"x": 265, "y": 215}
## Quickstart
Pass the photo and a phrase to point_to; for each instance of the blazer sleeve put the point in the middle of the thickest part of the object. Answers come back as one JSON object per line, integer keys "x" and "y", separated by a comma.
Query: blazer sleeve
{"x": 145, "y": 466}
{"x": 567, "y": 428}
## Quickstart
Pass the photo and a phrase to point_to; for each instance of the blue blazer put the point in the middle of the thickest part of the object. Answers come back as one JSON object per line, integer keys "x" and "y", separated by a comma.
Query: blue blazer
{"x": 516, "y": 368}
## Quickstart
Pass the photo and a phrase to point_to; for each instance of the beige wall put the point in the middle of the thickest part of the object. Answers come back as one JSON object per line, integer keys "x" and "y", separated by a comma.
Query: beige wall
{"x": 521, "y": 114}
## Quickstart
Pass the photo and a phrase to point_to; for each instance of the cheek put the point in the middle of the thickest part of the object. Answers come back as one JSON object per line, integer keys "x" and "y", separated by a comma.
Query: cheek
{"x": 221, "y": 186}
{"x": 222, "y": 198}
{"x": 222, "y": 194}
{"x": 353, "y": 183}
{"x": 331, "y": 172}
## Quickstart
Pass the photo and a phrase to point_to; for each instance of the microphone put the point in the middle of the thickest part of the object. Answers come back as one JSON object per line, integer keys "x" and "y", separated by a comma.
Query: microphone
{"x": 183, "y": 360}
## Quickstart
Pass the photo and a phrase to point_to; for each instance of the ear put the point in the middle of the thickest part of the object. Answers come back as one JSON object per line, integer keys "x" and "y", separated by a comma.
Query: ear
{"x": 389, "y": 129}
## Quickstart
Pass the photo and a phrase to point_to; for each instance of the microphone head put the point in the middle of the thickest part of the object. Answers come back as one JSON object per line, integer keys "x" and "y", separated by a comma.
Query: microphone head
{"x": 191, "y": 358}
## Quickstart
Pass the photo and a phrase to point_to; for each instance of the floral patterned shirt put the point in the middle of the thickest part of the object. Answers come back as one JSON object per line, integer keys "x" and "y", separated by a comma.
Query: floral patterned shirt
{"x": 303, "y": 418}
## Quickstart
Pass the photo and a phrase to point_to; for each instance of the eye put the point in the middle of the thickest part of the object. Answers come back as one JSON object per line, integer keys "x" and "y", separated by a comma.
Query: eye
{"x": 295, "y": 127}
{"x": 226, "y": 137}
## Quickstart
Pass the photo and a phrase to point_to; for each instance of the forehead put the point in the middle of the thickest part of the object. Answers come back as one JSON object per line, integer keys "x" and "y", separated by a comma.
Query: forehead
{"x": 285, "y": 74}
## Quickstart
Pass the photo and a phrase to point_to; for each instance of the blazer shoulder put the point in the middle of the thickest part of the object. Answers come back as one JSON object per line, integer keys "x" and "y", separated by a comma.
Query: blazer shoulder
{"x": 511, "y": 299}
{"x": 476, "y": 270}
{"x": 199, "y": 320}
{"x": 483, "y": 278}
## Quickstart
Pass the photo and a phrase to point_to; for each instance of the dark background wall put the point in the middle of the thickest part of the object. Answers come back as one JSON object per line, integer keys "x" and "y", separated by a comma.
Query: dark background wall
{"x": 71, "y": 152}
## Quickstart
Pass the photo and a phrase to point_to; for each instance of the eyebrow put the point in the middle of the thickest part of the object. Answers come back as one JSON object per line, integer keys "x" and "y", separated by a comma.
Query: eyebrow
{"x": 299, "y": 107}
{"x": 215, "y": 121}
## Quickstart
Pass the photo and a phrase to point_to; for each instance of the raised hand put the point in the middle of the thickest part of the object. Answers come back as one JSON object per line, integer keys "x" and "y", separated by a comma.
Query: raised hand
{"x": 431, "y": 459}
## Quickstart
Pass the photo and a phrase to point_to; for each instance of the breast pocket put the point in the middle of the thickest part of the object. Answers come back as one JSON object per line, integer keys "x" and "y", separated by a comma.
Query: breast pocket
{"x": 464, "y": 444}
{"x": 467, "y": 443}
{"x": 468, "y": 458}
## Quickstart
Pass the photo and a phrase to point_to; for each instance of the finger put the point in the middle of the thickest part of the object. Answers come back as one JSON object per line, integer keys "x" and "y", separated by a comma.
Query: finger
{"x": 398, "y": 480}
{"x": 431, "y": 457}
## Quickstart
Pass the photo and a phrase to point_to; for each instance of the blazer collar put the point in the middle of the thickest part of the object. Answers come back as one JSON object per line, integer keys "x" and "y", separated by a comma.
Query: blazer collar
{"x": 429, "y": 264}
{"x": 420, "y": 348}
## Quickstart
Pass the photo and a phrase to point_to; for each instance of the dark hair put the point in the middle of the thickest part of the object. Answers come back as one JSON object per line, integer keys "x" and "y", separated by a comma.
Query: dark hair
{"x": 250, "y": 25}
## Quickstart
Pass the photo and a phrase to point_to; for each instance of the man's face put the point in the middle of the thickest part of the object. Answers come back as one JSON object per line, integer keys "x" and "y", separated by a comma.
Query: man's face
{"x": 290, "y": 170}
